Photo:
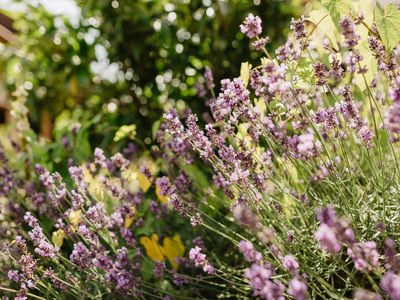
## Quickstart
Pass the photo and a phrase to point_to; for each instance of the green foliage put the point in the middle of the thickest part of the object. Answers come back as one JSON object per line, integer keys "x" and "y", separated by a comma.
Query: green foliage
{"x": 337, "y": 8}
{"x": 387, "y": 20}
{"x": 155, "y": 50}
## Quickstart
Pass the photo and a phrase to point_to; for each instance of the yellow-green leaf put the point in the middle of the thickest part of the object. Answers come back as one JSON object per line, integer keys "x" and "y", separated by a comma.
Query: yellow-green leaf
{"x": 58, "y": 237}
{"x": 125, "y": 131}
{"x": 370, "y": 62}
{"x": 245, "y": 72}
{"x": 322, "y": 19}
{"x": 387, "y": 20}
{"x": 337, "y": 8}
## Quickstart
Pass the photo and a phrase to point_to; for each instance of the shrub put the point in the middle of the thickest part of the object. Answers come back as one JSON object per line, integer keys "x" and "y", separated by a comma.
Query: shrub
{"x": 305, "y": 147}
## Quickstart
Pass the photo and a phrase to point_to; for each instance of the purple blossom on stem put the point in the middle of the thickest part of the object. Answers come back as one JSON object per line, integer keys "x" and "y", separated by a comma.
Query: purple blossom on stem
{"x": 390, "y": 283}
{"x": 200, "y": 260}
{"x": 77, "y": 176}
{"x": 209, "y": 78}
{"x": 200, "y": 142}
{"x": 297, "y": 289}
{"x": 290, "y": 263}
{"x": 165, "y": 186}
{"x": 159, "y": 269}
{"x": 362, "y": 294}
{"x": 251, "y": 26}
{"x": 298, "y": 27}
{"x": 348, "y": 31}
{"x": 80, "y": 256}
{"x": 260, "y": 43}
{"x": 321, "y": 72}
{"x": 233, "y": 94}
{"x": 99, "y": 158}
{"x": 327, "y": 239}
{"x": 249, "y": 253}
{"x": 261, "y": 283}
{"x": 364, "y": 255}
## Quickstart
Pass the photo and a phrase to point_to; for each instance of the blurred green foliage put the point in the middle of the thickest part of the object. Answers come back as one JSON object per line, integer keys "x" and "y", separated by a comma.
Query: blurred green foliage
{"x": 126, "y": 62}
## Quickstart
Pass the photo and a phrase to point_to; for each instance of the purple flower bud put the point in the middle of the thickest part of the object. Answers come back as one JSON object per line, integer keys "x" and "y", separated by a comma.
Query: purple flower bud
{"x": 297, "y": 289}
{"x": 390, "y": 283}
{"x": 249, "y": 253}
{"x": 327, "y": 239}
{"x": 251, "y": 26}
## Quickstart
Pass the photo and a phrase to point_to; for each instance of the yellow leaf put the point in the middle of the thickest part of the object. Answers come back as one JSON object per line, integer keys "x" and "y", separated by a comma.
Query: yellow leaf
{"x": 163, "y": 199}
{"x": 144, "y": 183}
{"x": 129, "y": 219}
{"x": 130, "y": 176}
{"x": 75, "y": 217}
{"x": 173, "y": 248}
{"x": 125, "y": 131}
{"x": 366, "y": 8}
{"x": 368, "y": 61}
{"x": 322, "y": 19}
{"x": 261, "y": 105}
{"x": 153, "y": 250}
{"x": 58, "y": 237}
{"x": 245, "y": 72}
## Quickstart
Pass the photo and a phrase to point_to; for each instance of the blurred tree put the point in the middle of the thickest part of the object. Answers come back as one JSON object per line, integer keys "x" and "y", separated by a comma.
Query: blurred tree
{"x": 127, "y": 61}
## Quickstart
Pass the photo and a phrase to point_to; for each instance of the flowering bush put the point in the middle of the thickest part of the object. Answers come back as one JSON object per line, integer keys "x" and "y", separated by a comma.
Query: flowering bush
{"x": 291, "y": 189}
{"x": 305, "y": 147}
{"x": 104, "y": 229}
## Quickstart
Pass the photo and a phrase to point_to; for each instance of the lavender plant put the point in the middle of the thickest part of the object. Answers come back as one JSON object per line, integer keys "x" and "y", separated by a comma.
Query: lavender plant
{"x": 100, "y": 232}
{"x": 304, "y": 146}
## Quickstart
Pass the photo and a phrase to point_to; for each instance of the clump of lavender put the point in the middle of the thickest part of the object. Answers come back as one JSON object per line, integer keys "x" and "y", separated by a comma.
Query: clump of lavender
{"x": 200, "y": 260}
{"x": 294, "y": 135}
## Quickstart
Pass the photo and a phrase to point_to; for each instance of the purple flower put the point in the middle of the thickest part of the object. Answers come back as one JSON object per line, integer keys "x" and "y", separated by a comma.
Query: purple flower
{"x": 80, "y": 256}
{"x": 366, "y": 295}
{"x": 99, "y": 158}
{"x": 209, "y": 78}
{"x": 251, "y": 26}
{"x": 77, "y": 176}
{"x": 31, "y": 220}
{"x": 299, "y": 28}
{"x": 164, "y": 184}
{"x": 43, "y": 248}
{"x": 249, "y": 253}
{"x": 260, "y": 43}
{"x": 182, "y": 181}
{"x": 178, "y": 279}
{"x": 14, "y": 276}
{"x": 159, "y": 269}
{"x": 321, "y": 72}
{"x": 233, "y": 94}
{"x": 77, "y": 199}
{"x": 392, "y": 259}
{"x": 364, "y": 256}
{"x": 305, "y": 144}
{"x": 200, "y": 260}
{"x": 326, "y": 215}
{"x": 97, "y": 215}
{"x": 327, "y": 239}
{"x": 297, "y": 289}
{"x": 200, "y": 142}
{"x": 44, "y": 176}
{"x": 119, "y": 161}
{"x": 290, "y": 263}
{"x": 348, "y": 31}
{"x": 245, "y": 215}
{"x": 261, "y": 283}
{"x": 390, "y": 283}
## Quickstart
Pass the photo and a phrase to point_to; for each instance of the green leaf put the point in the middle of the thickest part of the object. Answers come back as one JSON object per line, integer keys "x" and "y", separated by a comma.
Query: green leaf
{"x": 387, "y": 20}
{"x": 324, "y": 22}
{"x": 337, "y": 8}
